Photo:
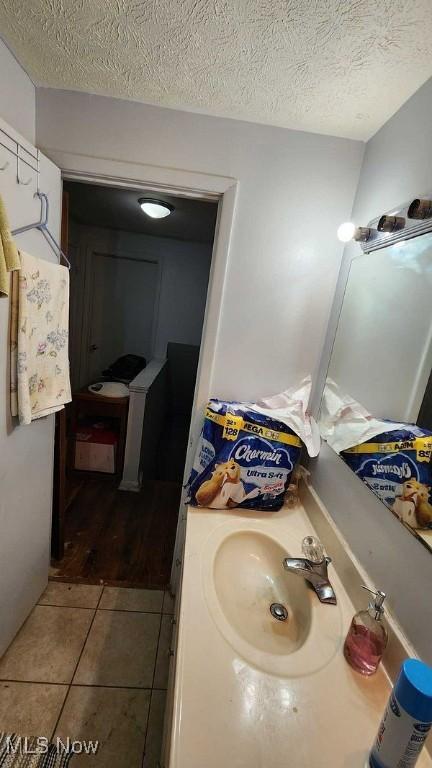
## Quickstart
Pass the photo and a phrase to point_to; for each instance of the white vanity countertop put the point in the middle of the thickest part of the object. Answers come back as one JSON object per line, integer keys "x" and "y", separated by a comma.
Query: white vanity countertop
{"x": 228, "y": 712}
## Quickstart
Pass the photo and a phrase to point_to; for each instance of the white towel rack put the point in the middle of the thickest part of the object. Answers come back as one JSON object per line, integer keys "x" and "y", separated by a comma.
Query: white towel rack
{"x": 31, "y": 159}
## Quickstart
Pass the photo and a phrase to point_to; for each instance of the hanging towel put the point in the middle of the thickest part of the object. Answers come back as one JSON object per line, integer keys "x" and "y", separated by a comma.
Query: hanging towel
{"x": 9, "y": 258}
{"x": 39, "y": 339}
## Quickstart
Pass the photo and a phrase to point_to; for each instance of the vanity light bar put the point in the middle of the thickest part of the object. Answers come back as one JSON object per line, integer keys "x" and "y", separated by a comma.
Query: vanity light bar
{"x": 420, "y": 209}
{"x": 362, "y": 234}
{"x": 390, "y": 223}
{"x": 348, "y": 231}
{"x": 407, "y": 221}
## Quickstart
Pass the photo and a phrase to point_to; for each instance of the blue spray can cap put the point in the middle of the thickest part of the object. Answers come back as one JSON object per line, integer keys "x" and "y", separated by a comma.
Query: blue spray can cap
{"x": 413, "y": 689}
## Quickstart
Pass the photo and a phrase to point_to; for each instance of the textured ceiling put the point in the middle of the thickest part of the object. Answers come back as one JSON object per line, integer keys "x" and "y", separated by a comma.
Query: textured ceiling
{"x": 331, "y": 66}
{"x": 100, "y": 206}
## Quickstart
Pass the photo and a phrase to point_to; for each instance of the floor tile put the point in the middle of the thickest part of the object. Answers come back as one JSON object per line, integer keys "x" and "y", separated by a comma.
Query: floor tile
{"x": 168, "y": 603}
{"x": 116, "y": 717}
{"x": 48, "y": 645}
{"x": 30, "y": 709}
{"x": 71, "y": 595}
{"x": 122, "y": 599}
{"x": 153, "y": 744}
{"x": 163, "y": 657}
{"x": 120, "y": 650}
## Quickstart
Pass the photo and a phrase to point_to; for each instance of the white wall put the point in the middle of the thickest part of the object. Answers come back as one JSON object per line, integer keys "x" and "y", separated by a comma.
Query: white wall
{"x": 122, "y": 309}
{"x": 294, "y": 189}
{"x": 397, "y": 167}
{"x": 184, "y": 282}
{"x": 17, "y": 95}
{"x": 180, "y": 291}
{"x": 26, "y": 453}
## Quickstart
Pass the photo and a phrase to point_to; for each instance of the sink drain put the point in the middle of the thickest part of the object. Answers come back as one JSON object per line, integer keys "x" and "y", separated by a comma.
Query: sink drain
{"x": 278, "y": 611}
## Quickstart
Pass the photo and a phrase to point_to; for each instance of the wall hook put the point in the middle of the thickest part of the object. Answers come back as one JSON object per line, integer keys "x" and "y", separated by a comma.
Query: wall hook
{"x": 19, "y": 179}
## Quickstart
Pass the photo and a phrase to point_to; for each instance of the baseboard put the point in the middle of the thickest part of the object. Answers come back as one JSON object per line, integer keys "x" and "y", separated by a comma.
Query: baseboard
{"x": 130, "y": 485}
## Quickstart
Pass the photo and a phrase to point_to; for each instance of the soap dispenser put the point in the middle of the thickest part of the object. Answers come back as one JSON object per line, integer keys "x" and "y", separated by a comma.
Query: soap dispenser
{"x": 366, "y": 640}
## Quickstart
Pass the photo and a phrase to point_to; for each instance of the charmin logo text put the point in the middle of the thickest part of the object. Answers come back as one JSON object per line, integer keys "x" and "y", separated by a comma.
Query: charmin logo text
{"x": 246, "y": 453}
{"x": 404, "y": 470}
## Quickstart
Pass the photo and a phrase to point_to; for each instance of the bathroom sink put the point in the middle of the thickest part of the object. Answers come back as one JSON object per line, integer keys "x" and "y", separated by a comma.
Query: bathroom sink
{"x": 249, "y": 578}
{"x": 247, "y": 589}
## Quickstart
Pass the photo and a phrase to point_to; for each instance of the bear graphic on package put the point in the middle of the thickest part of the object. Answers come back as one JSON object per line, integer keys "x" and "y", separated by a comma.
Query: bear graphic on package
{"x": 412, "y": 506}
{"x": 424, "y": 508}
{"x": 224, "y": 489}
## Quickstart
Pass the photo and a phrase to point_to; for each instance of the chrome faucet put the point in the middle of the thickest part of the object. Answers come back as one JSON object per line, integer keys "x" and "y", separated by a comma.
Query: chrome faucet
{"x": 313, "y": 568}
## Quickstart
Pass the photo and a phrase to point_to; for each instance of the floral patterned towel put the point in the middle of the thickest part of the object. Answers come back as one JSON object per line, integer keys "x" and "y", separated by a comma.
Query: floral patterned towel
{"x": 39, "y": 339}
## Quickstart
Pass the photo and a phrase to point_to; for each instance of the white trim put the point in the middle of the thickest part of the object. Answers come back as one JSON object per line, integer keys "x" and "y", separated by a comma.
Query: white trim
{"x": 219, "y": 265}
{"x": 190, "y": 184}
{"x": 138, "y": 390}
{"x": 130, "y": 485}
{"x": 120, "y": 173}
{"x": 131, "y": 477}
{"x": 145, "y": 378}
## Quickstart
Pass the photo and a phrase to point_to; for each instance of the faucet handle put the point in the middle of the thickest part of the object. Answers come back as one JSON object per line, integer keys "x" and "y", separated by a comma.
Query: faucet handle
{"x": 312, "y": 549}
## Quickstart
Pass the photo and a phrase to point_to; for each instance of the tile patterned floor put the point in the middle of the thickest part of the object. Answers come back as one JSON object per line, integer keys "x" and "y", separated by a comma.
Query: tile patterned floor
{"x": 92, "y": 662}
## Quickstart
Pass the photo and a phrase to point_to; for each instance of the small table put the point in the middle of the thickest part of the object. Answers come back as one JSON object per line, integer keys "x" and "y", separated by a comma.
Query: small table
{"x": 86, "y": 403}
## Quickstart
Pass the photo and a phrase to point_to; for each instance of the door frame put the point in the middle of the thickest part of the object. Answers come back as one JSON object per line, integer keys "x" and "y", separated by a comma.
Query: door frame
{"x": 183, "y": 183}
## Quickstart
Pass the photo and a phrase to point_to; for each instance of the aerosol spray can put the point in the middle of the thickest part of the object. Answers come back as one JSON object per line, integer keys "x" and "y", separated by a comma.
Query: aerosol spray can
{"x": 407, "y": 718}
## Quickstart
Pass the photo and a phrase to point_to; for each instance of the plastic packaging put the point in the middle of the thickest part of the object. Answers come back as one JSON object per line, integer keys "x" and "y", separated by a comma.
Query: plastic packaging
{"x": 396, "y": 466}
{"x": 407, "y": 719}
{"x": 345, "y": 422}
{"x": 244, "y": 459}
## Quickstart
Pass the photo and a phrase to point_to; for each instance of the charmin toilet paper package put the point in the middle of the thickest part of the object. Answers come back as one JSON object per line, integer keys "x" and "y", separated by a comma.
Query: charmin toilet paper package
{"x": 244, "y": 459}
{"x": 396, "y": 466}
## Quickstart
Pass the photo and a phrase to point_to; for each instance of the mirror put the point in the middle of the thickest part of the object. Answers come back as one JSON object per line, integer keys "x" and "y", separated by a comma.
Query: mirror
{"x": 376, "y": 411}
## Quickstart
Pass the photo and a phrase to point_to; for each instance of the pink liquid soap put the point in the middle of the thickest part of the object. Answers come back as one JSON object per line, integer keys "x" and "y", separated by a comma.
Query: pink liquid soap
{"x": 364, "y": 647}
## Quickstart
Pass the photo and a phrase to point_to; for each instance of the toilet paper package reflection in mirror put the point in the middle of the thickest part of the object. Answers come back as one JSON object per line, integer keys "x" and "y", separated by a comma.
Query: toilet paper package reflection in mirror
{"x": 396, "y": 466}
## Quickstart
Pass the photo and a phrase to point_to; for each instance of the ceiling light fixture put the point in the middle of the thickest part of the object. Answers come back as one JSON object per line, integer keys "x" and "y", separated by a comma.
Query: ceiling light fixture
{"x": 156, "y": 209}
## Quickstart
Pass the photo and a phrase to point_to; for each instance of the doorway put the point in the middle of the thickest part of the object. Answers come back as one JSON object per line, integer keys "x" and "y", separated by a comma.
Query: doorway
{"x": 138, "y": 295}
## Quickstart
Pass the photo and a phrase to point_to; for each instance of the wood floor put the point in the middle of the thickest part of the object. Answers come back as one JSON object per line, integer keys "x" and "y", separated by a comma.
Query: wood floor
{"x": 119, "y": 537}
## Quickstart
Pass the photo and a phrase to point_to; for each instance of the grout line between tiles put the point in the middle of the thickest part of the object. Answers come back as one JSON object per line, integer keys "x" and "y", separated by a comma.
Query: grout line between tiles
{"x": 55, "y": 605}
{"x": 151, "y": 692}
{"x": 68, "y": 607}
{"x": 32, "y": 682}
{"x": 125, "y": 610}
{"x": 76, "y": 667}
{"x": 97, "y": 608}
{"x": 83, "y": 685}
{"x": 116, "y": 687}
